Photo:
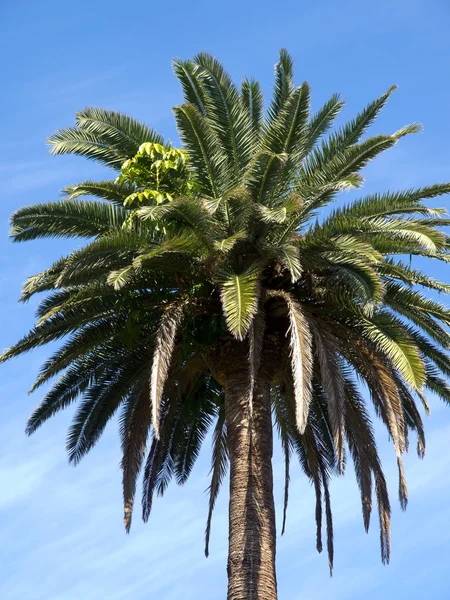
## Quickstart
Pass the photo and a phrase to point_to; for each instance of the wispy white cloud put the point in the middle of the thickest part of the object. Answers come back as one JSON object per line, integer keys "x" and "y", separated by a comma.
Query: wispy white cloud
{"x": 27, "y": 176}
{"x": 69, "y": 525}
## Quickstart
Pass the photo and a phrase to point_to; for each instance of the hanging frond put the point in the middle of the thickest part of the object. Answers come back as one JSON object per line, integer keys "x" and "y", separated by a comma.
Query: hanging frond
{"x": 155, "y": 458}
{"x": 218, "y": 470}
{"x": 101, "y": 401}
{"x": 282, "y": 421}
{"x": 199, "y": 407}
{"x": 255, "y": 343}
{"x": 164, "y": 345}
{"x": 299, "y": 335}
{"x": 332, "y": 382}
{"x": 393, "y": 341}
{"x": 136, "y": 421}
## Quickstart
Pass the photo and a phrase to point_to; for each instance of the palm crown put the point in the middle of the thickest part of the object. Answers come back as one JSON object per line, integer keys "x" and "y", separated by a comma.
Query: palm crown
{"x": 193, "y": 253}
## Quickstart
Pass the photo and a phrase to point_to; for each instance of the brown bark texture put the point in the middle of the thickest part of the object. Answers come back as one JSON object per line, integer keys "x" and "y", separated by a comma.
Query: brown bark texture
{"x": 252, "y": 535}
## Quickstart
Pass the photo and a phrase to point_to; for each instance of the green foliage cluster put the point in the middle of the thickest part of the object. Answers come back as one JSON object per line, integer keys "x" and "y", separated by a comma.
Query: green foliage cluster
{"x": 158, "y": 172}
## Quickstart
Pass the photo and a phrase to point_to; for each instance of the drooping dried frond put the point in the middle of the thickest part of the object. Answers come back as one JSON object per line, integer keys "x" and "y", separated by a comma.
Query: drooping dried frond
{"x": 287, "y": 478}
{"x": 159, "y": 464}
{"x": 255, "y": 343}
{"x": 164, "y": 345}
{"x": 315, "y": 451}
{"x": 402, "y": 487}
{"x": 367, "y": 464}
{"x": 384, "y": 511}
{"x": 136, "y": 423}
{"x": 218, "y": 470}
{"x": 154, "y": 460}
{"x": 329, "y": 517}
{"x": 413, "y": 419}
{"x": 362, "y": 447}
{"x": 369, "y": 364}
{"x": 281, "y": 412}
{"x": 301, "y": 357}
{"x": 322, "y": 474}
{"x": 333, "y": 383}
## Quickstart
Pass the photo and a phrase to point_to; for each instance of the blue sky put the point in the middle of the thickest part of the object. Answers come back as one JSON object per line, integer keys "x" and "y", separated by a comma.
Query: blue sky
{"x": 62, "y": 535}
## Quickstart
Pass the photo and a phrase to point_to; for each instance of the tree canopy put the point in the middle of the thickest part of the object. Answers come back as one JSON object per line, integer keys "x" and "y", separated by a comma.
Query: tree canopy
{"x": 187, "y": 249}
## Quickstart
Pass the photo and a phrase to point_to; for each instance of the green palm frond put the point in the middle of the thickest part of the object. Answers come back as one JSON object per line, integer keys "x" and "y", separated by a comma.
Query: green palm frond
{"x": 183, "y": 214}
{"x": 429, "y": 350}
{"x": 75, "y": 380}
{"x": 438, "y": 385}
{"x": 80, "y": 344}
{"x": 102, "y": 255}
{"x": 284, "y": 83}
{"x": 393, "y": 203}
{"x": 393, "y": 340}
{"x": 178, "y": 247}
{"x": 350, "y": 161}
{"x": 69, "y": 218}
{"x": 323, "y": 120}
{"x": 253, "y": 100}
{"x": 285, "y": 137}
{"x": 198, "y": 412}
{"x": 400, "y": 271}
{"x": 239, "y": 293}
{"x": 207, "y": 158}
{"x": 117, "y": 129}
{"x": 225, "y": 112}
{"x": 72, "y": 140}
{"x": 106, "y": 190}
{"x": 289, "y": 257}
{"x": 58, "y": 326}
{"x": 101, "y": 401}
{"x": 287, "y": 133}
{"x": 188, "y": 76}
{"x": 43, "y": 281}
{"x": 350, "y": 133}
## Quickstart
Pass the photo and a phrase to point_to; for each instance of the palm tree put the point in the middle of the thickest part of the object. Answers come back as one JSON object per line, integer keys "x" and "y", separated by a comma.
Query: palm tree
{"x": 213, "y": 293}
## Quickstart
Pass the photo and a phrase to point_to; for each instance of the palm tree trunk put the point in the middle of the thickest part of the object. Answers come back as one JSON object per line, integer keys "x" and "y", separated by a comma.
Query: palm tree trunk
{"x": 251, "y": 558}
